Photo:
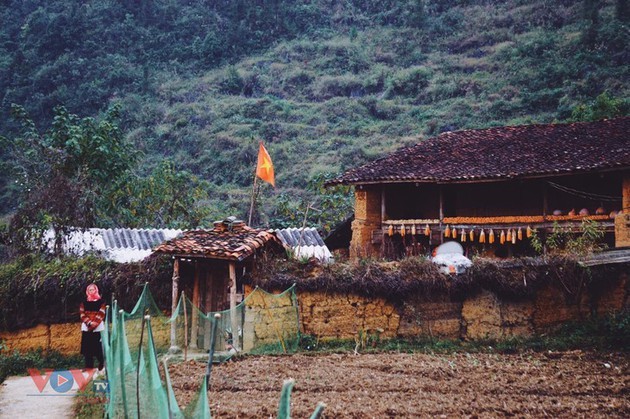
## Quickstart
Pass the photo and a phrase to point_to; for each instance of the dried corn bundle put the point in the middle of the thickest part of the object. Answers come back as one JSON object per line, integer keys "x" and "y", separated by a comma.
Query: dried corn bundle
{"x": 427, "y": 230}
{"x": 447, "y": 232}
{"x": 509, "y": 235}
{"x": 482, "y": 236}
{"x": 513, "y": 237}
{"x": 402, "y": 230}
{"x": 413, "y": 229}
{"x": 463, "y": 238}
{"x": 491, "y": 237}
{"x": 454, "y": 233}
{"x": 502, "y": 237}
{"x": 529, "y": 232}
{"x": 520, "y": 233}
{"x": 471, "y": 235}
{"x": 390, "y": 231}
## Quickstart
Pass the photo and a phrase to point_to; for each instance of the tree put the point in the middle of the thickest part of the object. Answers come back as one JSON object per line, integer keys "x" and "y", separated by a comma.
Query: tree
{"x": 324, "y": 208}
{"x": 165, "y": 199}
{"x": 604, "y": 106}
{"x": 591, "y": 15}
{"x": 63, "y": 174}
{"x": 621, "y": 10}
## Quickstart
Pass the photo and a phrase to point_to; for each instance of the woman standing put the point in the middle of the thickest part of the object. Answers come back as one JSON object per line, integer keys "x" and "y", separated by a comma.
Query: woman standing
{"x": 92, "y": 312}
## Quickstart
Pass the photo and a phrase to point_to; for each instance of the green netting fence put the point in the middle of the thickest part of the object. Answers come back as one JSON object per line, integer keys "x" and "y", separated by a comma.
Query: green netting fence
{"x": 140, "y": 345}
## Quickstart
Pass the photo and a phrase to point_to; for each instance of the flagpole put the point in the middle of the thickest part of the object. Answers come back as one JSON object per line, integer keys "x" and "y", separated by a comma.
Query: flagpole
{"x": 251, "y": 207}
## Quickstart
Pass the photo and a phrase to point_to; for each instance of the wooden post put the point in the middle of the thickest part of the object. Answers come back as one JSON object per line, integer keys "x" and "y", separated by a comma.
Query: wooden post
{"x": 175, "y": 292}
{"x": 251, "y": 207}
{"x": 233, "y": 315}
{"x": 194, "y": 322}
{"x": 545, "y": 201}
{"x": 441, "y": 213}
{"x": 185, "y": 327}
{"x": 383, "y": 207}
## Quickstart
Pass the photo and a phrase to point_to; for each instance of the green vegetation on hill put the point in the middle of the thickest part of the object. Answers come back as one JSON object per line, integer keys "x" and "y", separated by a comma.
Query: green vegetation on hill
{"x": 326, "y": 85}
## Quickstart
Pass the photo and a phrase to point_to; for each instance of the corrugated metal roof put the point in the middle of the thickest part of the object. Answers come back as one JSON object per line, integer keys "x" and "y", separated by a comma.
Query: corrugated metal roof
{"x": 503, "y": 153}
{"x": 117, "y": 244}
{"x": 304, "y": 243}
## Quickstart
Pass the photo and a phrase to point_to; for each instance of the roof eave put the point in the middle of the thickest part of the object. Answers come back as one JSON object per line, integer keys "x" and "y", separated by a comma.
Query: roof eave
{"x": 485, "y": 179}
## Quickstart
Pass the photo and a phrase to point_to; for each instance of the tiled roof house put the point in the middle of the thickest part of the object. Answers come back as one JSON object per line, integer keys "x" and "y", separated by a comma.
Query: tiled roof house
{"x": 210, "y": 264}
{"x": 497, "y": 180}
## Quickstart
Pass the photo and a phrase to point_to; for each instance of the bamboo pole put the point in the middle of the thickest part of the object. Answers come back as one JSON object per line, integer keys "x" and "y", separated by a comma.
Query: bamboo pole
{"x": 233, "y": 317}
{"x": 215, "y": 321}
{"x": 251, "y": 206}
{"x": 185, "y": 326}
{"x": 175, "y": 291}
{"x": 194, "y": 328}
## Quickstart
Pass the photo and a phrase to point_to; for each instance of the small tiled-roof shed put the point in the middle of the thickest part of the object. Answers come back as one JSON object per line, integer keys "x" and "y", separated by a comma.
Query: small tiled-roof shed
{"x": 503, "y": 178}
{"x": 218, "y": 259}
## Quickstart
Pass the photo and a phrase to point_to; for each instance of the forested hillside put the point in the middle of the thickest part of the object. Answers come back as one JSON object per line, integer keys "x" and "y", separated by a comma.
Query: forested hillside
{"x": 326, "y": 84}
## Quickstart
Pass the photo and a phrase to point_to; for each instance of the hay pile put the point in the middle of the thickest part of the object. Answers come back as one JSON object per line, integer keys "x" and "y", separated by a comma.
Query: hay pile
{"x": 512, "y": 278}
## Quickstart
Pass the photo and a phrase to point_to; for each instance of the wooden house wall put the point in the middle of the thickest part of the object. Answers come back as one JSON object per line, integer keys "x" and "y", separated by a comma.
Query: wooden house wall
{"x": 493, "y": 199}
{"x": 602, "y": 184}
{"x": 407, "y": 201}
{"x": 508, "y": 198}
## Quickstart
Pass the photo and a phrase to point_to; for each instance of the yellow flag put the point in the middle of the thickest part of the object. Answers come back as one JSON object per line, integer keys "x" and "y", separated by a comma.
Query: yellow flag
{"x": 264, "y": 169}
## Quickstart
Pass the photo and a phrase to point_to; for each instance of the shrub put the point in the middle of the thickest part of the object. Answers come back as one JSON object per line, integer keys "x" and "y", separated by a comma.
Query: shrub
{"x": 410, "y": 81}
{"x": 34, "y": 290}
{"x": 327, "y": 87}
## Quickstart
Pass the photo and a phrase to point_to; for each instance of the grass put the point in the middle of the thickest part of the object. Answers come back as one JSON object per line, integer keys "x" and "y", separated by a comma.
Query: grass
{"x": 88, "y": 404}
{"x": 16, "y": 363}
{"x": 609, "y": 333}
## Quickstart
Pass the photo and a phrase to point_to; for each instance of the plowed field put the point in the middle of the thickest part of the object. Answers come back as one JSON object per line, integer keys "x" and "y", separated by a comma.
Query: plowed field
{"x": 558, "y": 384}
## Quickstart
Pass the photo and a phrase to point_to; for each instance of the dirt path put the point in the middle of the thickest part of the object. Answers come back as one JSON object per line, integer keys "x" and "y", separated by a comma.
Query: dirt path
{"x": 560, "y": 384}
{"x": 20, "y": 398}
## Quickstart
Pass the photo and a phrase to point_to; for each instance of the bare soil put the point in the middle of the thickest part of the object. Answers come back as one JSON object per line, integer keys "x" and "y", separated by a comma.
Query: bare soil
{"x": 558, "y": 384}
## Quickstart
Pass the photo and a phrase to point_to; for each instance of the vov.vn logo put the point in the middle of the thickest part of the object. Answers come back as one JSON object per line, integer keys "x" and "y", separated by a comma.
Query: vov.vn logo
{"x": 61, "y": 382}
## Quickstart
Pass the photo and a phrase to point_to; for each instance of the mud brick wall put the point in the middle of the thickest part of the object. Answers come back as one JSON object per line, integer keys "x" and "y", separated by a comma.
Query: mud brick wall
{"x": 344, "y": 316}
{"x": 433, "y": 316}
{"x": 367, "y": 218}
{"x": 622, "y": 221}
{"x": 479, "y": 316}
{"x": 268, "y": 320}
{"x": 65, "y": 338}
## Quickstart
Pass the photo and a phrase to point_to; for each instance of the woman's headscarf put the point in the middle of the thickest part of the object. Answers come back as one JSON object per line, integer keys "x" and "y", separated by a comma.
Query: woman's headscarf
{"x": 92, "y": 293}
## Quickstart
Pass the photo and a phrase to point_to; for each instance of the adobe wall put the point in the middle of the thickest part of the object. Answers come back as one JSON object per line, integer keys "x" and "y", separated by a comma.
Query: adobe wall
{"x": 65, "y": 338}
{"x": 622, "y": 220}
{"x": 479, "y": 316}
{"x": 344, "y": 316}
{"x": 367, "y": 218}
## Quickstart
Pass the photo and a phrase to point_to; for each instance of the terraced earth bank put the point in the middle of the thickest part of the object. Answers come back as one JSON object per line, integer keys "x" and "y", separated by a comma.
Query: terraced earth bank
{"x": 548, "y": 384}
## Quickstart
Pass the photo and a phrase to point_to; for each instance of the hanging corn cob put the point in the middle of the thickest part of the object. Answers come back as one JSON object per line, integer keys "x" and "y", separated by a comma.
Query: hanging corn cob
{"x": 427, "y": 230}
{"x": 513, "y": 237}
{"x": 454, "y": 233}
{"x": 413, "y": 229}
{"x": 482, "y": 236}
{"x": 402, "y": 230}
{"x": 471, "y": 235}
{"x": 491, "y": 237}
{"x": 520, "y": 233}
{"x": 463, "y": 238}
{"x": 509, "y": 235}
{"x": 502, "y": 237}
{"x": 390, "y": 231}
{"x": 529, "y": 232}
{"x": 447, "y": 232}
